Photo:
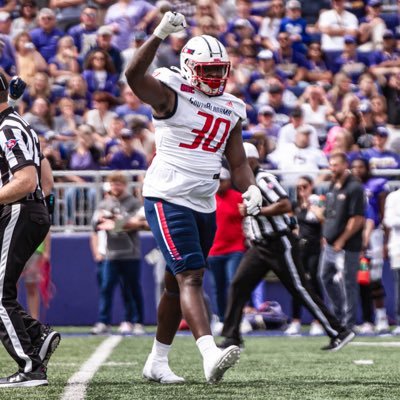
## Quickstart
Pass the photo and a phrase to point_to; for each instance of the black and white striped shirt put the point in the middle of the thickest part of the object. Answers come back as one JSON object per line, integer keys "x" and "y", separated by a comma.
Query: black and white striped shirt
{"x": 261, "y": 227}
{"x": 19, "y": 146}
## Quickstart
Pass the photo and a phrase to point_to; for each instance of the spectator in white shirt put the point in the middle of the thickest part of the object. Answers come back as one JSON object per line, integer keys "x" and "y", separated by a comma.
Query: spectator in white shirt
{"x": 287, "y": 134}
{"x": 299, "y": 156}
{"x": 335, "y": 24}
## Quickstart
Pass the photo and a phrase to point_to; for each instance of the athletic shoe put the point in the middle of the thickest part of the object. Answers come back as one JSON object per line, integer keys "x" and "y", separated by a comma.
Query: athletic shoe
{"x": 49, "y": 342}
{"x": 365, "y": 329}
{"x": 215, "y": 371}
{"x": 138, "y": 329}
{"x": 228, "y": 342}
{"x": 316, "y": 329}
{"x": 382, "y": 326}
{"x": 25, "y": 379}
{"x": 340, "y": 341}
{"x": 125, "y": 328}
{"x": 396, "y": 331}
{"x": 160, "y": 372}
{"x": 293, "y": 329}
{"x": 100, "y": 329}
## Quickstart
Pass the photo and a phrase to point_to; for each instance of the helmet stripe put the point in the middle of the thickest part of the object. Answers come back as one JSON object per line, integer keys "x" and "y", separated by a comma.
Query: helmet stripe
{"x": 209, "y": 47}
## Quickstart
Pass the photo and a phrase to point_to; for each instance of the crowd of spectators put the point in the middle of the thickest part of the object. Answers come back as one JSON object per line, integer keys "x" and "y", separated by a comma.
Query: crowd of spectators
{"x": 315, "y": 77}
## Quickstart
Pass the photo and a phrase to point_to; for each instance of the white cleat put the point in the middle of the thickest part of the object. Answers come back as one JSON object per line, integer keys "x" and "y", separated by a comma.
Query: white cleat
{"x": 293, "y": 329}
{"x": 382, "y": 326}
{"x": 316, "y": 329}
{"x": 226, "y": 359}
{"x": 160, "y": 372}
{"x": 396, "y": 331}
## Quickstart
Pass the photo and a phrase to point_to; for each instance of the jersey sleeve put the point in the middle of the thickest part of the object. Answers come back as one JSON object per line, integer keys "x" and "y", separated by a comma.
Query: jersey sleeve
{"x": 14, "y": 149}
{"x": 168, "y": 77}
{"x": 238, "y": 106}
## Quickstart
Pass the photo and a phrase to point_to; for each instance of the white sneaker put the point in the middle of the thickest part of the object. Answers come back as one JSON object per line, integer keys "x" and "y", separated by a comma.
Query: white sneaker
{"x": 245, "y": 326}
{"x": 125, "y": 328}
{"x": 396, "y": 331}
{"x": 365, "y": 329}
{"x": 382, "y": 326}
{"x": 293, "y": 329}
{"x": 159, "y": 371}
{"x": 138, "y": 329}
{"x": 316, "y": 329}
{"x": 226, "y": 359}
{"x": 100, "y": 329}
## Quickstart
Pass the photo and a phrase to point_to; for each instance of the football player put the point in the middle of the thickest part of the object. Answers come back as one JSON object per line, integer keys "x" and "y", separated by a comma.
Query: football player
{"x": 196, "y": 123}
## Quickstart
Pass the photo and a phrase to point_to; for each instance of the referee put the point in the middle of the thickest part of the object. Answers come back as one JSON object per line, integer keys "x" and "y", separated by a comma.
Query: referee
{"x": 275, "y": 248}
{"x": 24, "y": 223}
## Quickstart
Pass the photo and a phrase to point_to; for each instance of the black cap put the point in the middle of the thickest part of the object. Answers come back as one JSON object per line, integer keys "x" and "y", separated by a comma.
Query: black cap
{"x": 3, "y": 83}
{"x": 297, "y": 112}
{"x": 275, "y": 89}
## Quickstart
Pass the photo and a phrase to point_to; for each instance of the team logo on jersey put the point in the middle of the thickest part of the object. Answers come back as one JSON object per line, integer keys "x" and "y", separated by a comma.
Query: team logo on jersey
{"x": 187, "y": 88}
{"x": 229, "y": 104}
{"x": 11, "y": 143}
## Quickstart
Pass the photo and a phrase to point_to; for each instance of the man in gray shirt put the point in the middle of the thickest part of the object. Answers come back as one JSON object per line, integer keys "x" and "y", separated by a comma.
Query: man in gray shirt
{"x": 118, "y": 216}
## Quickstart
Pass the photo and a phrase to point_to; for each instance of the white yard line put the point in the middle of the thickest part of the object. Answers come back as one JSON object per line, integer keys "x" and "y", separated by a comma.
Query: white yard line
{"x": 376, "y": 344}
{"x": 77, "y": 384}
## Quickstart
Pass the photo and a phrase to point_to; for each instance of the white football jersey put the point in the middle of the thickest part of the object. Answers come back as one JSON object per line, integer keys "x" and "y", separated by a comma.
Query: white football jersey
{"x": 190, "y": 144}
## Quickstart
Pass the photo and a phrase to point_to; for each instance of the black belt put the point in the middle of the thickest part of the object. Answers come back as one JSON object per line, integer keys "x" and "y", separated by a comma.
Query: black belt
{"x": 36, "y": 196}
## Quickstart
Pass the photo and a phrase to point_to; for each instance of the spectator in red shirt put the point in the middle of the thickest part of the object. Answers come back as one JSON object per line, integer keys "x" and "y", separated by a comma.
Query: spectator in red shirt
{"x": 228, "y": 247}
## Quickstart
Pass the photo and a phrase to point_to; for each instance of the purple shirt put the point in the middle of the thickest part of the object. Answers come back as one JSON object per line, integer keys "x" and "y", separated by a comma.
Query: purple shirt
{"x": 135, "y": 160}
{"x": 46, "y": 43}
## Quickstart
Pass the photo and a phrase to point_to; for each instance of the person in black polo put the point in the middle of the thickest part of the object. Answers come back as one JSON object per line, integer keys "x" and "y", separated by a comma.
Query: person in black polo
{"x": 342, "y": 233}
{"x": 274, "y": 247}
{"x": 24, "y": 223}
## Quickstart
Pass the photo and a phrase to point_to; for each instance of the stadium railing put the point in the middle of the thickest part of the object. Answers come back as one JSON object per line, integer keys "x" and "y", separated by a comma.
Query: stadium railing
{"x": 75, "y": 202}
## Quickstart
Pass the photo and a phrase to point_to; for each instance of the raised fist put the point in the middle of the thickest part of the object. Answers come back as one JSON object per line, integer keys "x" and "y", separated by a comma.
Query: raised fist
{"x": 171, "y": 22}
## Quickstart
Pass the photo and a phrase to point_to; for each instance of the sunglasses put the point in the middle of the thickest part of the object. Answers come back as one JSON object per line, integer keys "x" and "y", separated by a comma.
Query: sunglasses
{"x": 303, "y": 187}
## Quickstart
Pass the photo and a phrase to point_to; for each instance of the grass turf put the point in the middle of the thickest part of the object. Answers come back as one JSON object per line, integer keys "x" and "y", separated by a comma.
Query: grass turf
{"x": 270, "y": 368}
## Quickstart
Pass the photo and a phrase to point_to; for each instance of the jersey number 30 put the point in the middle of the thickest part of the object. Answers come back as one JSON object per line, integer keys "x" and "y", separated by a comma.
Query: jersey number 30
{"x": 207, "y": 134}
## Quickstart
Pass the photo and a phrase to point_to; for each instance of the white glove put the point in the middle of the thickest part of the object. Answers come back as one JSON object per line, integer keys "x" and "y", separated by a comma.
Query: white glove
{"x": 171, "y": 22}
{"x": 252, "y": 200}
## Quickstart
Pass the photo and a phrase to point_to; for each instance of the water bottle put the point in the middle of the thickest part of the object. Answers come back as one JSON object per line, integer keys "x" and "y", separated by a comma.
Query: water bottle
{"x": 363, "y": 275}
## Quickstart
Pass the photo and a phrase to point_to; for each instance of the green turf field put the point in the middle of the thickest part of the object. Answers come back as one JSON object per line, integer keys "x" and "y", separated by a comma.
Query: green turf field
{"x": 270, "y": 368}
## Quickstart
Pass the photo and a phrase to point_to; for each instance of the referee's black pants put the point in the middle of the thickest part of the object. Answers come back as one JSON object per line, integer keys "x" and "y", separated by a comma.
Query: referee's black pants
{"x": 23, "y": 226}
{"x": 280, "y": 255}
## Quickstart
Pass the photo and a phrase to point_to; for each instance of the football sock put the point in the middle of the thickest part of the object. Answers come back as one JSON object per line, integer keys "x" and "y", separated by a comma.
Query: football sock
{"x": 160, "y": 350}
{"x": 207, "y": 347}
{"x": 380, "y": 313}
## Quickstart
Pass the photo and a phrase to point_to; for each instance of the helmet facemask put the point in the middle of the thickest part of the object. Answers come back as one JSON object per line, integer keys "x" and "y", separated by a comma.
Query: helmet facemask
{"x": 210, "y": 77}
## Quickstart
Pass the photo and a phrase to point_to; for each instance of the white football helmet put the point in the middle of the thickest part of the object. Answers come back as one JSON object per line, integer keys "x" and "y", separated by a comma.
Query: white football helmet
{"x": 205, "y": 64}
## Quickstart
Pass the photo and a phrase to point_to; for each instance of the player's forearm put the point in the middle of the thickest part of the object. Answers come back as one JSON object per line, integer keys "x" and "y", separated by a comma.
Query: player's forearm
{"x": 142, "y": 60}
{"x": 243, "y": 177}
{"x": 279, "y": 208}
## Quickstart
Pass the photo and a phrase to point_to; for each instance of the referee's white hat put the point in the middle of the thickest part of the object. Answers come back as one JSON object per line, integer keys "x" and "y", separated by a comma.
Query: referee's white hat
{"x": 251, "y": 150}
